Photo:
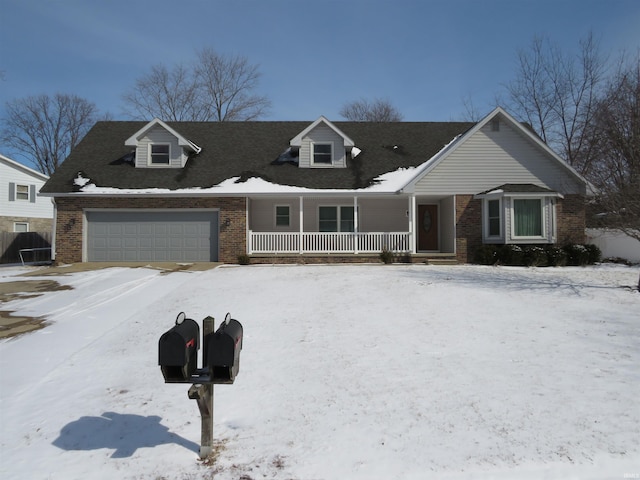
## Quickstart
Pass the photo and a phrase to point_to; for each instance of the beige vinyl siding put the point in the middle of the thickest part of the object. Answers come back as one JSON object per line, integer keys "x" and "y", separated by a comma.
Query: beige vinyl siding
{"x": 322, "y": 134}
{"x": 159, "y": 135}
{"x": 491, "y": 158}
{"x": 383, "y": 215}
{"x": 262, "y": 215}
{"x": 375, "y": 215}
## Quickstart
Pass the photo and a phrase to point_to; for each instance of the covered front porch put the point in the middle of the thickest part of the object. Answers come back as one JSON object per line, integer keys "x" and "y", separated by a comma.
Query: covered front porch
{"x": 400, "y": 224}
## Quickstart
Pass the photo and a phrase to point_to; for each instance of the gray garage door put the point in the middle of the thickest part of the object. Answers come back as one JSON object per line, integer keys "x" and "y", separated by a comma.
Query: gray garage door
{"x": 152, "y": 236}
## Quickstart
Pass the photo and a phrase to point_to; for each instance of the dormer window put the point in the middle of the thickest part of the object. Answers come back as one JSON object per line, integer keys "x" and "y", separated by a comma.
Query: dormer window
{"x": 323, "y": 153}
{"x": 160, "y": 154}
{"x": 158, "y": 145}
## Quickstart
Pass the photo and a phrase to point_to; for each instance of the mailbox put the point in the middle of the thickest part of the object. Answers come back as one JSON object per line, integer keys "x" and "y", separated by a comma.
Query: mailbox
{"x": 178, "y": 351}
{"x": 222, "y": 351}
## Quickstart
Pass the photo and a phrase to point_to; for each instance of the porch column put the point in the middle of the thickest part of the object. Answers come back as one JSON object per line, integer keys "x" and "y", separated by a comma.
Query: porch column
{"x": 412, "y": 223}
{"x": 355, "y": 225}
{"x": 301, "y": 220}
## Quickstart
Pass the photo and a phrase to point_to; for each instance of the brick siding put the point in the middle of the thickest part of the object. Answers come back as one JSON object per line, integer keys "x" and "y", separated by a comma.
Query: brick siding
{"x": 468, "y": 227}
{"x": 571, "y": 219}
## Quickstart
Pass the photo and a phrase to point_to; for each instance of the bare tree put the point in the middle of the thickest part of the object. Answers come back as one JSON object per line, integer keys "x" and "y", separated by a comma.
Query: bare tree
{"x": 45, "y": 129}
{"x": 556, "y": 94}
{"x": 214, "y": 88}
{"x": 378, "y": 110}
{"x": 616, "y": 140}
{"x": 227, "y": 83}
{"x": 168, "y": 95}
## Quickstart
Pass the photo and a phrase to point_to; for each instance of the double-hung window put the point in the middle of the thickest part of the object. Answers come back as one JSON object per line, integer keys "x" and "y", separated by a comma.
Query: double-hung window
{"x": 322, "y": 153}
{"x": 22, "y": 192}
{"x": 336, "y": 219}
{"x": 159, "y": 154}
{"x": 283, "y": 216}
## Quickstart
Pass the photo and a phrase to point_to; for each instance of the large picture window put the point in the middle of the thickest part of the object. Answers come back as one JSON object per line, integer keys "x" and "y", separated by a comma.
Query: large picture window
{"x": 527, "y": 217}
{"x": 336, "y": 219}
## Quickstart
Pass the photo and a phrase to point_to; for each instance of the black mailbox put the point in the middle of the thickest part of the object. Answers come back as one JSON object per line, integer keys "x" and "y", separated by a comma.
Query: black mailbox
{"x": 178, "y": 350}
{"x": 222, "y": 351}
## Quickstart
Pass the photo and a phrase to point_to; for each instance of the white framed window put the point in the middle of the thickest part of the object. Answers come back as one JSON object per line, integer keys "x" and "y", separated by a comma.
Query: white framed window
{"x": 322, "y": 153}
{"x": 283, "y": 215}
{"x": 22, "y": 192}
{"x": 528, "y": 218}
{"x": 336, "y": 219}
{"x": 159, "y": 153}
{"x": 21, "y": 227}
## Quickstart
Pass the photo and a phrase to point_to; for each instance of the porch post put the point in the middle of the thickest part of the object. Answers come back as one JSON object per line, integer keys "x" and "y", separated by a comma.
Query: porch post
{"x": 355, "y": 225}
{"x": 301, "y": 220}
{"x": 412, "y": 223}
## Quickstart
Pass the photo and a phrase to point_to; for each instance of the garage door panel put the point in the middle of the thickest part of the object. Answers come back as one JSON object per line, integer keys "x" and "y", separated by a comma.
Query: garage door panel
{"x": 152, "y": 236}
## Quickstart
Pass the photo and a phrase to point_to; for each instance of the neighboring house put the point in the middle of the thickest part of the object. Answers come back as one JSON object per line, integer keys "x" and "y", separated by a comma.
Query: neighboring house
{"x": 21, "y": 209}
{"x": 311, "y": 192}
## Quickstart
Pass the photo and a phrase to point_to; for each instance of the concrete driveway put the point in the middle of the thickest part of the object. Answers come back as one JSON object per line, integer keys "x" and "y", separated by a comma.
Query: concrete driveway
{"x": 23, "y": 287}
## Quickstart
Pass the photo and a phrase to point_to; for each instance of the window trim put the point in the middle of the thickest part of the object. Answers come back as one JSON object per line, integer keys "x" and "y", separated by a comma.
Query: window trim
{"x": 15, "y": 224}
{"x": 151, "y": 155}
{"x": 543, "y": 218}
{"x": 276, "y": 216}
{"x": 313, "y": 154}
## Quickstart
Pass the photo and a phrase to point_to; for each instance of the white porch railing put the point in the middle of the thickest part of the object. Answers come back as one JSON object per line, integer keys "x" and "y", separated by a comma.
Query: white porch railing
{"x": 316, "y": 242}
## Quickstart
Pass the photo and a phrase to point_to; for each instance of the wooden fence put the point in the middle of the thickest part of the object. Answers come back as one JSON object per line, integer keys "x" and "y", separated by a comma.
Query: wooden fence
{"x": 11, "y": 243}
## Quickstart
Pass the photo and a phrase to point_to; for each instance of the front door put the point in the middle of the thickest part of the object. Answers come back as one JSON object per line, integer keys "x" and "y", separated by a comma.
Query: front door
{"x": 427, "y": 227}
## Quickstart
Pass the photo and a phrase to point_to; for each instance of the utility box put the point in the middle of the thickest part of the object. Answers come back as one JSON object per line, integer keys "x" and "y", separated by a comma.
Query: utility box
{"x": 178, "y": 351}
{"x": 222, "y": 351}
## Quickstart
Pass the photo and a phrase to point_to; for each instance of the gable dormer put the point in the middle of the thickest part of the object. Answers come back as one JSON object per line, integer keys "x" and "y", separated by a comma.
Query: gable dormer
{"x": 160, "y": 146}
{"x": 322, "y": 145}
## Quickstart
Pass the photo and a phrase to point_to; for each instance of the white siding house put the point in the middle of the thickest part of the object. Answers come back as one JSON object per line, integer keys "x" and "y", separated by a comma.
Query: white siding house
{"x": 21, "y": 209}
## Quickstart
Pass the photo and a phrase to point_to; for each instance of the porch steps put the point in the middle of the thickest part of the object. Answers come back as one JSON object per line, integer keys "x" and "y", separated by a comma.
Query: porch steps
{"x": 441, "y": 261}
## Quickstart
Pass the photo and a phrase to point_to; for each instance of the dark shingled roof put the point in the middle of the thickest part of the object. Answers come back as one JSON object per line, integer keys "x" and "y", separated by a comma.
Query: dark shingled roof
{"x": 249, "y": 149}
{"x": 519, "y": 188}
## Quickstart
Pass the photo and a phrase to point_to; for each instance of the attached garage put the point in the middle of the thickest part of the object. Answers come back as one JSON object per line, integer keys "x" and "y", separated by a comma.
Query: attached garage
{"x": 165, "y": 236}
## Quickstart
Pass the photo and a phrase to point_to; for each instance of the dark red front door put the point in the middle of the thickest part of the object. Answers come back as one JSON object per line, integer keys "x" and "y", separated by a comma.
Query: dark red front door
{"x": 427, "y": 227}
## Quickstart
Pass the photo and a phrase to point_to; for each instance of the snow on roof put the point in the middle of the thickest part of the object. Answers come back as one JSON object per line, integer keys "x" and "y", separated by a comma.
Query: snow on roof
{"x": 387, "y": 183}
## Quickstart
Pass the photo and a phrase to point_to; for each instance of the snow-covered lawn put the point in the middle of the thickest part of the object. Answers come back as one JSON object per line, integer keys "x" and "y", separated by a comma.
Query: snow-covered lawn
{"x": 347, "y": 372}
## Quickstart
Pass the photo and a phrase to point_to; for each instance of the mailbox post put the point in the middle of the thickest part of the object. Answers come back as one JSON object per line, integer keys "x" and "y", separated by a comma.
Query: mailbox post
{"x": 177, "y": 357}
{"x": 203, "y": 395}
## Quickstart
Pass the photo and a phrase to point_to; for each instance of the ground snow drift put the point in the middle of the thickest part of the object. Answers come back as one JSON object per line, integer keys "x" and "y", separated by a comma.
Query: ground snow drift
{"x": 347, "y": 372}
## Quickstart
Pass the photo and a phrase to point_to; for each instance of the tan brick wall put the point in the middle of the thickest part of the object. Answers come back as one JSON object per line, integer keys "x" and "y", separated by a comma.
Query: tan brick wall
{"x": 69, "y": 225}
{"x": 468, "y": 227}
{"x": 35, "y": 224}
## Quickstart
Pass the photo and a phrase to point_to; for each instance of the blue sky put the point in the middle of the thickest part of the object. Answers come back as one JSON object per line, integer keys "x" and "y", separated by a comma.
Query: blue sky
{"x": 424, "y": 56}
